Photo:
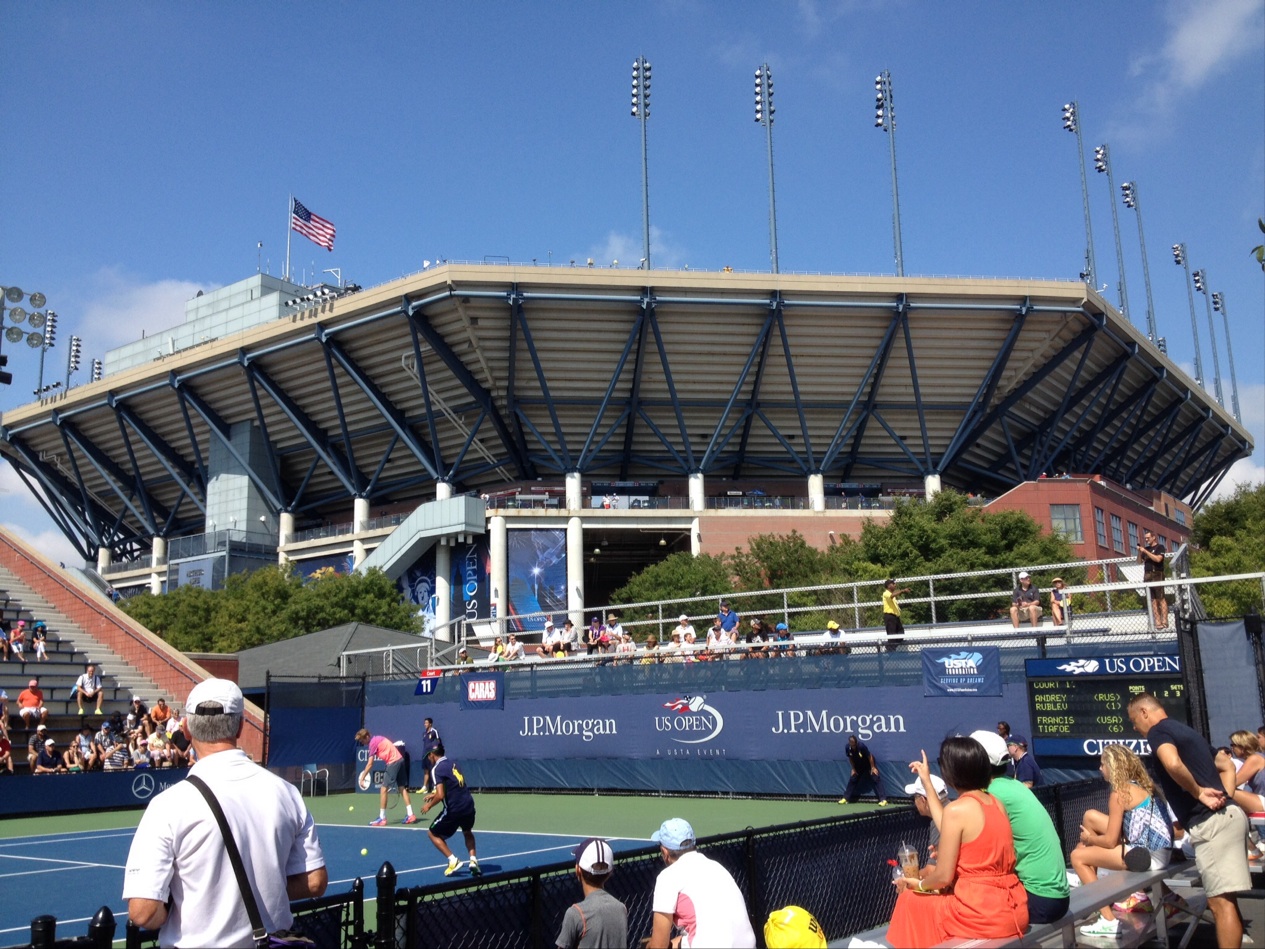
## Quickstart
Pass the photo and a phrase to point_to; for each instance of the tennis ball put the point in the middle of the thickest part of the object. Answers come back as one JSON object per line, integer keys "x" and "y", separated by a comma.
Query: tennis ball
{"x": 351, "y": 807}
{"x": 364, "y": 851}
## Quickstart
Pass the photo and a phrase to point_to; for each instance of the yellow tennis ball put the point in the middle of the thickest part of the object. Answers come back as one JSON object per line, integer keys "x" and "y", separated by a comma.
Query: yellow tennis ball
{"x": 351, "y": 807}
{"x": 364, "y": 851}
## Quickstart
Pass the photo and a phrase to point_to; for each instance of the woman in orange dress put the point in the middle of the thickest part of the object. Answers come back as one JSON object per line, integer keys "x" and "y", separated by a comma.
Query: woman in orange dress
{"x": 972, "y": 891}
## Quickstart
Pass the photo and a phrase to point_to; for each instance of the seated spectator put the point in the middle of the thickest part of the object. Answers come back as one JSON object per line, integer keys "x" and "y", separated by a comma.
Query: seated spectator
{"x": 567, "y": 640}
{"x": 116, "y": 722}
{"x": 757, "y": 647}
{"x": 614, "y": 631}
{"x": 138, "y": 715}
{"x": 689, "y": 643}
{"x": 670, "y": 651}
{"x": 17, "y": 639}
{"x": 783, "y": 641}
{"x": 918, "y": 792}
{"x": 463, "y": 657}
{"x": 684, "y": 628}
{"x": 1038, "y": 850}
{"x": 593, "y": 637}
{"x": 88, "y": 686}
{"x": 793, "y": 927}
{"x": 976, "y": 857}
{"x": 49, "y": 760}
{"x": 159, "y": 715}
{"x": 139, "y": 750}
{"x": 103, "y": 742}
{"x": 513, "y": 649}
{"x": 1059, "y": 601}
{"x": 1135, "y": 820}
{"x": 627, "y": 648}
{"x": 717, "y": 637}
{"x": 1245, "y": 782}
{"x": 1025, "y": 601}
{"x": 4, "y": 713}
{"x": 549, "y": 640}
{"x": 178, "y": 748}
{"x": 498, "y": 651}
{"x": 119, "y": 757}
{"x": 35, "y": 744}
{"x": 159, "y": 750}
{"x": 31, "y": 705}
{"x": 85, "y": 749}
{"x": 836, "y": 636}
{"x": 4, "y": 641}
{"x": 6, "y": 753}
{"x": 651, "y": 654}
{"x": 39, "y": 641}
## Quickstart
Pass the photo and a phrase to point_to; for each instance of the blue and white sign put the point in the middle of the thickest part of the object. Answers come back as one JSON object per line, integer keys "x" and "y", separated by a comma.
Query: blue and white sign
{"x": 483, "y": 690}
{"x": 972, "y": 671}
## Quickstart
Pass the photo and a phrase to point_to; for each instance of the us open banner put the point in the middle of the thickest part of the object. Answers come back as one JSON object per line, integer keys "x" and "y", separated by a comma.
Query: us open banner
{"x": 972, "y": 671}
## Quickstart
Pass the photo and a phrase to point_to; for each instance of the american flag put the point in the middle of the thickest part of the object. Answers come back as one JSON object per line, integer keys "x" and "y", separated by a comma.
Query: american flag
{"x": 312, "y": 226}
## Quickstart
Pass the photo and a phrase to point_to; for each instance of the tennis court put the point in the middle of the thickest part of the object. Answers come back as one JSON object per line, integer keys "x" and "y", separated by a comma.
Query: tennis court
{"x": 71, "y": 865}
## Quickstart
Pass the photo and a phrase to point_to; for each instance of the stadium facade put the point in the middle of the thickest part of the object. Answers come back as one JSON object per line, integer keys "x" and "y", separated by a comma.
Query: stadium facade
{"x": 508, "y": 440}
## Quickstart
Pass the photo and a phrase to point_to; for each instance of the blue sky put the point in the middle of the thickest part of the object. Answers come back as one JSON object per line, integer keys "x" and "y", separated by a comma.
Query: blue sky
{"x": 150, "y": 147}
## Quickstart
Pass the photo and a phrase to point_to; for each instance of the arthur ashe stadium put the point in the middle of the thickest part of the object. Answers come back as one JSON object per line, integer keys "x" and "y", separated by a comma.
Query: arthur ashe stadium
{"x": 509, "y": 440}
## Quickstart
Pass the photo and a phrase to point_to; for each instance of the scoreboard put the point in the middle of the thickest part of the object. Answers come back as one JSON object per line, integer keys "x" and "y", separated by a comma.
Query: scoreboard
{"x": 1078, "y": 705}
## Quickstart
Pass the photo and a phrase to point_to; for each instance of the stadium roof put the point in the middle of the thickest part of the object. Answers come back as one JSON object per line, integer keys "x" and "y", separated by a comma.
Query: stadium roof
{"x": 484, "y": 375}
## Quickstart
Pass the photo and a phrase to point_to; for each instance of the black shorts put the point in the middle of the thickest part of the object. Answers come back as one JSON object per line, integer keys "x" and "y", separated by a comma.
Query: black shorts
{"x": 391, "y": 775}
{"x": 449, "y": 823}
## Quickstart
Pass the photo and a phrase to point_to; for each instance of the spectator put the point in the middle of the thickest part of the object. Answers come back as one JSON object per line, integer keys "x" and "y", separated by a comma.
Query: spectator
{"x": 1027, "y": 771}
{"x": 31, "y": 704}
{"x": 1151, "y": 556}
{"x": 381, "y": 747}
{"x": 1193, "y": 787}
{"x": 159, "y": 750}
{"x": 140, "y": 753}
{"x": 757, "y": 647}
{"x": 1135, "y": 821}
{"x": 697, "y": 894}
{"x": 83, "y": 750}
{"x": 1025, "y": 600}
{"x": 599, "y": 921}
{"x": 1246, "y": 784}
{"x": 891, "y": 614}
{"x": 178, "y": 745}
{"x": 49, "y": 760}
{"x": 614, "y": 630}
{"x": 119, "y": 757}
{"x": 1038, "y": 850}
{"x": 4, "y": 713}
{"x": 178, "y": 874}
{"x": 160, "y": 714}
{"x": 104, "y": 742}
{"x": 513, "y": 649}
{"x": 88, "y": 686}
{"x": 549, "y": 640}
{"x": 35, "y": 744}
{"x": 498, "y": 651}
{"x": 784, "y": 642}
{"x": 39, "y": 641}
{"x": 918, "y": 792}
{"x": 793, "y": 927}
{"x": 593, "y": 637}
{"x": 689, "y": 643}
{"x": 17, "y": 639}
{"x": 1059, "y": 601}
{"x": 463, "y": 657}
{"x": 459, "y": 812}
{"x": 6, "y": 753}
{"x": 567, "y": 640}
{"x": 728, "y": 619}
{"x": 670, "y": 651}
{"x": 684, "y": 627}
{"x": 1003, "y": 729}
{"x": 865, "y": 774}
{"x": 138, "y": 715}
{"x": 976, "y": 859}
{"x": 651, "y": 655}
{"x": 4, "y": 640}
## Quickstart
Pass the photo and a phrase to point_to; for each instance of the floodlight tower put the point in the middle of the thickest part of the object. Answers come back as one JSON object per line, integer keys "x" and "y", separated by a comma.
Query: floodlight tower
{"x": 1102, "y": 162}
{"x": 885, "y": 119}
{"x": 1218, "y": 303}
{"x": 1129, "y": 190}
{"x": 1179, "y": 258}
{"x": 18, "y": 315}
{"x": 50, "y": 340}
{"x": 72, "y": 358}
{"x": 641, "y": 112}
{"x": 1071, "y": 122}
{"x": 1201, "y": 284}
{"x": 764, "y": 115}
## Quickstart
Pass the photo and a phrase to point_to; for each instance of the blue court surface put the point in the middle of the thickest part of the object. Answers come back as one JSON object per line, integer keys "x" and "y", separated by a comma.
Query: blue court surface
{"x": 71, "y": 876}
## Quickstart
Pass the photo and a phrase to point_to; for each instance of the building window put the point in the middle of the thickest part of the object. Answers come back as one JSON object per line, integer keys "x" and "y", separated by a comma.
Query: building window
{"x": 1180, "y": 516}
{"x": 1100, "y": 527}
{"x": 1133, "y": 536}
{"x": 1117, "y": 533}
{"x": 1065, "y": 519}
{"x": 1164, "y": 541}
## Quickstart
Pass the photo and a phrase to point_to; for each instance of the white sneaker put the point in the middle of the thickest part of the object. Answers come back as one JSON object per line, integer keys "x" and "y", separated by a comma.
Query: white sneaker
{"x": 1102, "y": 927}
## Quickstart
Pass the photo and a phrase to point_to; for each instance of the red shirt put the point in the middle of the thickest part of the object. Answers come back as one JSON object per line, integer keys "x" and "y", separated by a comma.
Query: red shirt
{"x": 31, "y": 698}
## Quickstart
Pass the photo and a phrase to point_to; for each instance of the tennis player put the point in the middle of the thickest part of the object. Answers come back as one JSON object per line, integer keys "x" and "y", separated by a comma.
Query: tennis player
{"x": 383, "y": 748}
{"x": 451, "y": 791}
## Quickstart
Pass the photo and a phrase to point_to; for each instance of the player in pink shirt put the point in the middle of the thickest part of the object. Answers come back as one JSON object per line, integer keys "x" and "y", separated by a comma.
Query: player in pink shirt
{"x": 381, "y": 747}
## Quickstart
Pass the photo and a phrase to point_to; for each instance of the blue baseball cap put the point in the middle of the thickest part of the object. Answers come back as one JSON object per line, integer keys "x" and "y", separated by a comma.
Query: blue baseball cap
{"x": 675, "y": 833}
{"x": 780, "y": 627}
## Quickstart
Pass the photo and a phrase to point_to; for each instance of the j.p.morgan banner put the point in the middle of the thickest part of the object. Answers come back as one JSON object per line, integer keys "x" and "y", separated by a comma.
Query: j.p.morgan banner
{"x": 972, "y": 671}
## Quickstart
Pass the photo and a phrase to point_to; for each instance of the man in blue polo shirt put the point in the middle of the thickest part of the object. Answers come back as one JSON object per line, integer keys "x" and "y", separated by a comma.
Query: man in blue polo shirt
{"x": 1027, "y": 771}
{"x": 728, "y": 618}
{"x": 451, "y": 791}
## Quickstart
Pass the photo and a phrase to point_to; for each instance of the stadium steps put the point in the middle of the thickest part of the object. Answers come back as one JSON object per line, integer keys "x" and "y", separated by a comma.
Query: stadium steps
{"x": 130, "y": 652}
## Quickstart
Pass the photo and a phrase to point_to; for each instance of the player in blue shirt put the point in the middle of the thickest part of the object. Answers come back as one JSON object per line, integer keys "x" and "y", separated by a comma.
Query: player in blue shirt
{"x": 451, "y": 791}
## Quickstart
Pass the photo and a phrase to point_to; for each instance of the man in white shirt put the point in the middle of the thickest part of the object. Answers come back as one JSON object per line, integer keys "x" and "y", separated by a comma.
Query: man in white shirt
{"x": 178, "y": 852}
{"x": 88, "y": 686}
{"x": 549, "y": 640}
{"x": 695, "y": 894}
{"x": 513, "y": 648}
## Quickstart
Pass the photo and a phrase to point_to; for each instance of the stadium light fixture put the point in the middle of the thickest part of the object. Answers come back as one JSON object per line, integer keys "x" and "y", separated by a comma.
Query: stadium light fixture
{"x": 641, "y": 71}
{"x": 885, "y": 119}
{"x": 764, "y": 110}
{"x": 50, "y": 339}
{"x": 1071, "y": 122}
{"x": 1102, "y": 162}
{"x": 72, "y": 358}
{"x": 1129, "y": 192}
{"x": 1218, "y": 304}
{"x": 17, "y": 316}
{"x": 1181, "y": 260}
{"x": 1200, "y": 279}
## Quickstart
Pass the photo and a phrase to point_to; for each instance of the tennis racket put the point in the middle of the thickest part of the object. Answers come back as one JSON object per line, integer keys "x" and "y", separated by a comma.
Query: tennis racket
{"x": 393, "y": 797}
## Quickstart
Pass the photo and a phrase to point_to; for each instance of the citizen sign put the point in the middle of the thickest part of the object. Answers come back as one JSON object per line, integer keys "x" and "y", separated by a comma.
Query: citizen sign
{"x": 481, "y": 690}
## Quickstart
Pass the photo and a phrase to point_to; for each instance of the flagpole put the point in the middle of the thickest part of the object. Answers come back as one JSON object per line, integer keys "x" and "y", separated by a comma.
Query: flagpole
{"x": 289, "y": 231}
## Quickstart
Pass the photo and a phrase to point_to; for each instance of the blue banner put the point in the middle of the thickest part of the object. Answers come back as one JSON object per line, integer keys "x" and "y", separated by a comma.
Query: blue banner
{"x": 482, "y": 690}
{"x": 94, "y": 791}
{"x": 970, "y": 671}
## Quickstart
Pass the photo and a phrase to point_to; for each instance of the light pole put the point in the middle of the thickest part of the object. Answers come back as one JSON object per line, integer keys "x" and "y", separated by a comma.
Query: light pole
{"x": 1218, "y": 303}
{"x": 1179, "y": 258}
{"x": 1129, "y": 190}
{"x": 18, "y": 315}
{"x": 885, "y": 119}
{"x": 50, "y": 340}
{"x": 72, "y": 358}
{"x": 1201, "y": 284}
{"x": 1102, "y": 162}
{"x": 1071, "y": 122}
{"x": 641, "y": 112}
{"x": 764, "y": 115}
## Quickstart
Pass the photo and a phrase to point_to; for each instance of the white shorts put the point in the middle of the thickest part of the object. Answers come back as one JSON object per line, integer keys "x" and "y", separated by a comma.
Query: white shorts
{"x": 1159, "y": 858}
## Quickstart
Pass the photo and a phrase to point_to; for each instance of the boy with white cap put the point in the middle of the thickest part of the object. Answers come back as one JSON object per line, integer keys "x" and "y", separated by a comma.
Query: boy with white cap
{"x": 599, "y": 921}
{"x": 695, "y": 894}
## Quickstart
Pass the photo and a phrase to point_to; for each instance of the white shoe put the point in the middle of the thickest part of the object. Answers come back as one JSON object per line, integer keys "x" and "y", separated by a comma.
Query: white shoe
{"x": 1102, "y": 927}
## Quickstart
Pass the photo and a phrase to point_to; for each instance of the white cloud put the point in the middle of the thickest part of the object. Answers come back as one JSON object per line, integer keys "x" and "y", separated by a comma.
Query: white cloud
{"x": 1245, "y": 471}
{"x": 119, "y": 308}
{"x": 628, "y": 250}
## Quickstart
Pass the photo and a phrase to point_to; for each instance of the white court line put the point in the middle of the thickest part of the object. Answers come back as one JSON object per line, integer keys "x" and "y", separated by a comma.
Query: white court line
{"x": 73, "y": 864}
{"x": 31, "y": 873}
{"x": 44, "y": 841}
{"x": 482, "y": 860}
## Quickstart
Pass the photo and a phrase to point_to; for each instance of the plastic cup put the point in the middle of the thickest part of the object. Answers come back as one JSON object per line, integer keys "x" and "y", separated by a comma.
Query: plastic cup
{"x": 908, "y": 858}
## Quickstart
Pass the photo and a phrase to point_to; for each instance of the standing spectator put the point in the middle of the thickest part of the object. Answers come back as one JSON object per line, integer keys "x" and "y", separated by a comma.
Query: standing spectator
{"x": 31, "y": 704}
{"x": 1151, "y": 556}
{"x": 599, "y": 921}
{"x": 1038, "y": 851}
{"x": 1059, "y": 600}
{"x": 1216, "y": 828}
{"x": 39, "y": 641}
{"x": 458, "y": 813}
{"x": 88, "y": 686}
{"x": 1135, "y": 819}
{"x": 918, "y": 792}
{"x": 865, "y": 776}
{"x": 17, "y": 639}
{"x": 697, "y": 894}
{"x": 1003, "y": 729}
{"x": 178, "y": 874}
{"x": 513, "y": 649}
{"x": 891, "y": 614}
{"x": 49, "y": 760}
{"x": 1025, "y": 600}
{"x": 1027, "y": 771}
{"x": 6, "y": 753}
{"x": 383, "y": 748}
{"x": 728, "y": 620}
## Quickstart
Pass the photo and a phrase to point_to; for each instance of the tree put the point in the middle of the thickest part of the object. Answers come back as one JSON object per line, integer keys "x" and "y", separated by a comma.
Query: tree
{"x": 1259, "y": 251}
{"x": 1228, "y": 537}
{"x": 677, "y": 577}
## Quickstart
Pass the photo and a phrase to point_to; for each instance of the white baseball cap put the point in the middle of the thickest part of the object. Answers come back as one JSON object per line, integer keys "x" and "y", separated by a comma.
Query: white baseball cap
{"x": 595, "y": 856}
{"x": 937, "y": 782}
{"x": 994, "y": 746}
{"x": 1023, "y": 574}
{"x": 221, "y": 692}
